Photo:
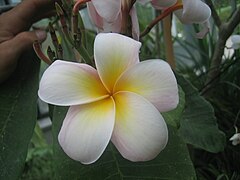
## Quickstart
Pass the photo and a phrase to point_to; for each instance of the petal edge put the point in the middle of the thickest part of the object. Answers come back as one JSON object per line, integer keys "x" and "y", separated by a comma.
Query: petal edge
{"x": 140, "y": 132}
{"x": 67, "y": 83}
{"x": 154, "y": 80}
{"x": 114, "y": 54}
{"x": 87, "y": 130}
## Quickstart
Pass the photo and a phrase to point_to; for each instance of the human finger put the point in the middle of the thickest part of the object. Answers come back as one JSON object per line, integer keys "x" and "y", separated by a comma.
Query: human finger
{"x": 22, "y": 16}
{"x": 11, "y": 50}
{"x": 24, "y": 40}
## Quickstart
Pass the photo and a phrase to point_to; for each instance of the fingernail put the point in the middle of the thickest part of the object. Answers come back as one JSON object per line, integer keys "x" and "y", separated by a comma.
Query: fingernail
{"x": 41, "y": 35}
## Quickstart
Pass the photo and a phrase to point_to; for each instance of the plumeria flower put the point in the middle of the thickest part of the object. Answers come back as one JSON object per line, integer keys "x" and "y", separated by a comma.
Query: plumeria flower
{"x": 193, "y": 11}
{"x": 235, "y": 39}
{"x": 232, "y": 44}
{"x": 119, "y": 101}
{"x": 235, "y": 139}
{"x": 112, "y": 16}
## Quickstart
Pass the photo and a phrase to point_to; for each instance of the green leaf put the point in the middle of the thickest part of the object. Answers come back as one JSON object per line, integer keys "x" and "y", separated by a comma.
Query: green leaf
{"x": 173, "y": 163}
{"x": 198, "y": 125}
{"x": 173, "y": 117}
{"x": 18, "y": 114}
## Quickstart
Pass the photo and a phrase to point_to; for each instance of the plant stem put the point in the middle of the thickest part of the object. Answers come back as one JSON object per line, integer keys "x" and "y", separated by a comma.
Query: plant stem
{"x": 158, "y": 38}
{"x": 161, "y": 17}
{"x": 167, "y": 34}
{"x": 215, "y": 15}
{"x": 225, "y": 31}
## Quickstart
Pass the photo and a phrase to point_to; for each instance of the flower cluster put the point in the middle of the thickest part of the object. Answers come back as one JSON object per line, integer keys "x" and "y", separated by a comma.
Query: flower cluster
{"x": 112, "y": 15}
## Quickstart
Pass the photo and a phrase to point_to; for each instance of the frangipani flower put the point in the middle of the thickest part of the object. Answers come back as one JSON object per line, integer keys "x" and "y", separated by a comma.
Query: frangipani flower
{"x": 193, "y": 11}
{"x": 119, "y": 101}
{"x": 232, "y": 44}
{"x": 112, "y": 15}
{"x": 235, "y": 39}
{"x": 235, "y": 139}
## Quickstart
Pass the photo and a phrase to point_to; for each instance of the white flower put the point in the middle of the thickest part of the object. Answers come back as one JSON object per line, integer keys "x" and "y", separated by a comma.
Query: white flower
{"x": 235, "y": 39}
{"x": 193, "y": 11}
{"x": 108, "y": 15}
{"x": 235, "y": 139}
{"x": 119, "y": 101}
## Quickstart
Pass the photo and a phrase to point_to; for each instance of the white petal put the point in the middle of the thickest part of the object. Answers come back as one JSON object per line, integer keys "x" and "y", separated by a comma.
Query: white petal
{"x": 113, "y": 54}
{"x": 135, "y": 25}
{"x": 113, "y": 26}
{"x": 140, "y": 132}
{"x": 235, "y": 41}
{"x": 154, "y": 80}
{"x": 161, "y": 4}
{"x": 108, "y": 9}
{"x": 194, "y": 11}
{"x": 94, "y": 16}
{"x": 235, "y": 142}
{"x": 235, "y": 137}
{"x": 66, "y": 83}
{"x": 204, "y": 31}
{"x": 87, "y": 130}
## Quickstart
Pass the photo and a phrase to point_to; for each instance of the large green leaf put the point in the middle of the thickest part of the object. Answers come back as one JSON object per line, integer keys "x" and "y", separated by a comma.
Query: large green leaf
{"x": 18, "y": 114}
{"x": 198, "y": 125}
{"x": 173, "y": 163}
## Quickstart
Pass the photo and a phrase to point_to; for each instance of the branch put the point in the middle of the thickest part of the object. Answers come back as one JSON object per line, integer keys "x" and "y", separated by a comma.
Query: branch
{"x": 165, "y": 13}
{"x": 225, "y": 31}
{"x": 215, "y": 16}
{"x": 167, "y": 35}
{"x": 234, "y": 20}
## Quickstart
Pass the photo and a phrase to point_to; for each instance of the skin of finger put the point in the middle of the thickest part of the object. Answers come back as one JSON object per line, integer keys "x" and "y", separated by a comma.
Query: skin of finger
{"x": 13, "y": 42}
{"x": 22, "y": 16}
{"x": 15, "y": 21}
{"x": 5, "y": 35}
{"x": 11, "y": 50}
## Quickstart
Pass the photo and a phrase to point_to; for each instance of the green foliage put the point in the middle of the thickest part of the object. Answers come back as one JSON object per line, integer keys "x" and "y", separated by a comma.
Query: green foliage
{"x": 224, "y": 165}
{"x": 173, "y": 163}
{"x": 38, "y": 164}
{"x": 18, "y": 114}
{"x": 225, "y": 102}
{"x": 193, "y": 56}
{"x": 198, "y": 125}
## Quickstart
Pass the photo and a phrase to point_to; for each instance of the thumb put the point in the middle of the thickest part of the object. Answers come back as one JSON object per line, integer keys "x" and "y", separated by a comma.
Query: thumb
{"x": 25, "y": 40}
